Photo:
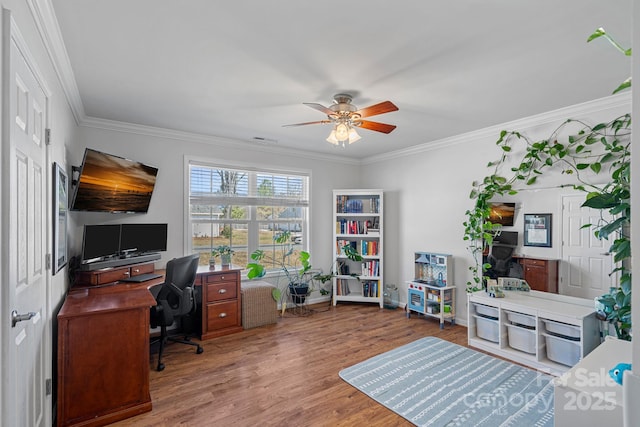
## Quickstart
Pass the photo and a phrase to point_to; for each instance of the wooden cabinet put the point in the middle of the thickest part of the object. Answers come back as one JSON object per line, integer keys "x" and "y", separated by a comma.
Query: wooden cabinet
{"x": 110, "y": 275}
{"x": 221, "y": 305}
{"x": 103, "y": 356}
{"x": 358, "y": 217}
{"x": 541, "y": 274}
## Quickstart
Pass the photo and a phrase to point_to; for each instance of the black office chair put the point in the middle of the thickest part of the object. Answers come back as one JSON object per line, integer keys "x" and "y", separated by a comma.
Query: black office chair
{"x": 175, "y": 299}
{"x": 500, "y": 258}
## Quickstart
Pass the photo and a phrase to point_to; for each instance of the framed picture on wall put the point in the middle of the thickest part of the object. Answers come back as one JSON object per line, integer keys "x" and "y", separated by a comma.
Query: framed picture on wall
{"x": 537, "y": 230}
{"x": 60, "y": 212}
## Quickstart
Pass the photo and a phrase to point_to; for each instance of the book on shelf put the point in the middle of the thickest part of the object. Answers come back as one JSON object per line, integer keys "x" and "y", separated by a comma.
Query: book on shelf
{"x": 342, "y": 287}
{"x": 347, "y": 204}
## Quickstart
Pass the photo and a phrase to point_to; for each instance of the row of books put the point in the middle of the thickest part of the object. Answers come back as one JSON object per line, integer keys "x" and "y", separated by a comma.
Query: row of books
{"x": 342, "y": 287}
{"x": 344, "y": 204}
{"x": 370, "y": 288}
{"x": 371, "y": 268}
{"x": 369, "y": 247}
{"x": 346, "y": 226}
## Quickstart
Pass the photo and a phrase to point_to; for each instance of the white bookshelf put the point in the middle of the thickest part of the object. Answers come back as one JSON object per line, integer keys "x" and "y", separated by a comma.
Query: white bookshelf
{"x": 358, "y": 221}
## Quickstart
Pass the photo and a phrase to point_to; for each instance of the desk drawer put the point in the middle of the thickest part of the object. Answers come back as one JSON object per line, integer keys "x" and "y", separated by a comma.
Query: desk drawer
{"x": 231, "y": 276}
{"x": 222, "y": 315}
{"x": 137, "y": 270}
{"x": 221, "y": 291}
{"x": 102, "y": 277}
{"x": 539, "y": 262}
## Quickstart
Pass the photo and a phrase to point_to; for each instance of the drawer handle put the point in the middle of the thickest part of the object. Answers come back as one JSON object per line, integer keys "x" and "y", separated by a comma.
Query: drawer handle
{"x": 222, "y": 315}
{"x": 136, "y": 270}
{"x": 125, "y": 274}
{"x": 222, "y": 291}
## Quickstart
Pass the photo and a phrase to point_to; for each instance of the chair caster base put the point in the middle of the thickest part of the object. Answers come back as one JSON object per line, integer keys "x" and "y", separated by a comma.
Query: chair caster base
{"x": 199, "y": 350}
{"x": 160, "y": 367}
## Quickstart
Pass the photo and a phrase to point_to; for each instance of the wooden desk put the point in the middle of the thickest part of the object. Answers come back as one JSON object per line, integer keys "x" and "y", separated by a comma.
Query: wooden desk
{"x": 103, "y": 355}
{"x": 103, "y": 344}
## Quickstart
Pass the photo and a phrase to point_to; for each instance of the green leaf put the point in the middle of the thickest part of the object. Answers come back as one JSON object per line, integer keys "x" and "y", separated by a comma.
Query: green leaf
{"x": 255, "y": 270}
{"x": 597, "y": 33}
{"x": 506, "y": 148}
{"x": 600, "y": 201}
{"x": 625, "y": 85}
{"x": 581, "y": 166}
{"x": 596, "y": 167}
{"x": 532, "y": 180}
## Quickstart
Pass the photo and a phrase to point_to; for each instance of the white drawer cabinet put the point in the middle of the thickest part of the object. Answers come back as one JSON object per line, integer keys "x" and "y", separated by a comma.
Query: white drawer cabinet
{"x": 528, "y": 316}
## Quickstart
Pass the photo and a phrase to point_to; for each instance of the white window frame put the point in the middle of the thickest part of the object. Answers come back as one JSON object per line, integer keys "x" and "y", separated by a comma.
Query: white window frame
{"x": 253, "y": 222}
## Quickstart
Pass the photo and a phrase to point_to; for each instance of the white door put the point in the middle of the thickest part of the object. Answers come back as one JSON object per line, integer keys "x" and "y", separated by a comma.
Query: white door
{"x": 587, "y": 263}
{"x": 25, "y": 343}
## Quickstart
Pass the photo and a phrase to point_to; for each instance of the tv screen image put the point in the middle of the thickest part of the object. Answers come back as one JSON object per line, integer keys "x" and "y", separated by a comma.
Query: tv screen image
{"x": 502, "y": 213}
{"x": 109, "y": 183}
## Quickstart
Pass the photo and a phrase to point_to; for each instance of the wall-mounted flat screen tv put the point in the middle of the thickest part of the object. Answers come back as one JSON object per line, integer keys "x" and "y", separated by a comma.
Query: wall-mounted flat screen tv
{"x": 502, "y": 213}
{"x": 109, "y": 183}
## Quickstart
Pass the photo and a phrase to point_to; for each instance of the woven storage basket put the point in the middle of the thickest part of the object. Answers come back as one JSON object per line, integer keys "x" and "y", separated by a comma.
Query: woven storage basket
{"x": 258, "y": 306}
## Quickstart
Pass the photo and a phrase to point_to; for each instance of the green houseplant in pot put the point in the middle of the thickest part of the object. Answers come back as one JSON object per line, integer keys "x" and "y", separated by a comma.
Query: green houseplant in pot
{"x": 224, "y": 252}
{"x": 295, "y": 266}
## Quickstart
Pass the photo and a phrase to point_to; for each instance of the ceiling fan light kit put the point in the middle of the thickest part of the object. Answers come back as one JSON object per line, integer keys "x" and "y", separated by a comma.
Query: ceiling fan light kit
{"x": 345, "y": 117}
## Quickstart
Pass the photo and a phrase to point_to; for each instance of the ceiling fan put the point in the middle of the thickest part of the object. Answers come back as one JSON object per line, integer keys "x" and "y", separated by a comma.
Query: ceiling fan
{"x": 346, "y": 117}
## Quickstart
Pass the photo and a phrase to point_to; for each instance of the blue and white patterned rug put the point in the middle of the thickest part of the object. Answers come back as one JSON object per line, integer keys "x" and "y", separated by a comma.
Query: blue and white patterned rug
{"x": 432, "y": 382}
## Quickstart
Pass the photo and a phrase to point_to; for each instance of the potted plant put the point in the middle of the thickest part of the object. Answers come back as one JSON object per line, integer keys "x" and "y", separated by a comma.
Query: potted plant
{"x": 298, "y": 274}
{"x": 296, "y": 271}
{"x": 224, "y": 252}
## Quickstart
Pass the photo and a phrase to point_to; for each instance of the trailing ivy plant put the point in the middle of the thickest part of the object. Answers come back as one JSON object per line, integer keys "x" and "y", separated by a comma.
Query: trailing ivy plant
{"x": 600, "y": 149}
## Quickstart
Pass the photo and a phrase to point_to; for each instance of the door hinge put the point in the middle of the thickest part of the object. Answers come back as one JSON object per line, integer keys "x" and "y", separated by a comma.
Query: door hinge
{"x": 48, "y": 262}
{"x": 47, "y": 136}
{"x": 48, "y": 384}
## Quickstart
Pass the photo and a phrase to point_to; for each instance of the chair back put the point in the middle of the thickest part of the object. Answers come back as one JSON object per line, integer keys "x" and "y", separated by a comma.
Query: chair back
{"x": 177, "y": 290}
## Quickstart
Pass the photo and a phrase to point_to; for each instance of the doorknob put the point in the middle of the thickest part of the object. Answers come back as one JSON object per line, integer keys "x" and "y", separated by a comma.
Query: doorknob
{"x": 15, "y": 317}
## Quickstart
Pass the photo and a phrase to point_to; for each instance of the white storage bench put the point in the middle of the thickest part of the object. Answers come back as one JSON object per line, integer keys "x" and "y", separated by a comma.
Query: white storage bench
{"x": 546, "y": 331}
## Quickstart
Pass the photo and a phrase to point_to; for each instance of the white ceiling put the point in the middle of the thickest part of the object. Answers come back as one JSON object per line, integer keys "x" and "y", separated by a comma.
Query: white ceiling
{"x": 242, "y": 69}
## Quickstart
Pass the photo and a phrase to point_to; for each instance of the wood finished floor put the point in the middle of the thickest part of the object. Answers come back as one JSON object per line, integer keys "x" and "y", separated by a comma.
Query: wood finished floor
{"x": 285, "y": 374}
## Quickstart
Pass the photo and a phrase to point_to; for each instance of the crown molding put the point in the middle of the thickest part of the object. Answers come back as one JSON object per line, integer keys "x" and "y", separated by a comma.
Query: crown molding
{"x": 561, "y": 114}
{"x": 47, "y": 24}
{"x": 237, "y": 144}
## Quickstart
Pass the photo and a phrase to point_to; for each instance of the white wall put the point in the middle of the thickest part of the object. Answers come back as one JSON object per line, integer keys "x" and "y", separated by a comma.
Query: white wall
{"x": 427, "y": 192}
{"x": 168, "y": 199}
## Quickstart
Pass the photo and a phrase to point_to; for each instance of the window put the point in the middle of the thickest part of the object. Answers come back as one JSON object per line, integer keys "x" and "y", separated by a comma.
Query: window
{"x": 245, "y": 209}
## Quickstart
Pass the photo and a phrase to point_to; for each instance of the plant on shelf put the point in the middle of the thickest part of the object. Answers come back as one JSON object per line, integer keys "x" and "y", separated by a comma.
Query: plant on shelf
{"x": 295, "y": 265}
{"x": 599, "y": 149}
{"x": 224, "y": 252}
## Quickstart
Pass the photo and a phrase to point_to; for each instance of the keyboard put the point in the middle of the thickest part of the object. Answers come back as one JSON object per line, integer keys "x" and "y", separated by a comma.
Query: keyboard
{"x": 141, "y": 277}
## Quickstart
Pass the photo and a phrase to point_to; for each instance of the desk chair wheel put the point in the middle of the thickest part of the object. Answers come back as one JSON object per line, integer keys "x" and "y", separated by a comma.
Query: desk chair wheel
{"x": 199, "y": 350}
{"x": 160, "y": 367}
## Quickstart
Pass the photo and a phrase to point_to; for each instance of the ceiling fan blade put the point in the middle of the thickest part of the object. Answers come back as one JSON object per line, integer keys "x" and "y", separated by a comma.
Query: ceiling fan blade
{"x": 378, "y": 127}
{"x": 374, "y": 110}
{"x": 308, "y": 123}
{"x": 319, "y": 107}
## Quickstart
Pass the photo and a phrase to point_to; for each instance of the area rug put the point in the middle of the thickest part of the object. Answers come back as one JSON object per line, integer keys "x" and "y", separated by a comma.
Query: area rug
{"x": 432, "y": 382}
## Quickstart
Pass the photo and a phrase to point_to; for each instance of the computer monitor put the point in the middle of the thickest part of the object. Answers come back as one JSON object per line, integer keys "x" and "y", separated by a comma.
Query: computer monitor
{"x": 100, "y": 242}
{"x": 143, "y": 238}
